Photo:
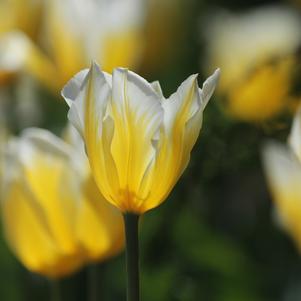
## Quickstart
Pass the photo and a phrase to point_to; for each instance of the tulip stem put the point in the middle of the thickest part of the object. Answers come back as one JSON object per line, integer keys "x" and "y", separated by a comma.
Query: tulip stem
{"x": 132, "y": 256}
{"x": 55, "y": 290}
{"x": 93, "y": 282}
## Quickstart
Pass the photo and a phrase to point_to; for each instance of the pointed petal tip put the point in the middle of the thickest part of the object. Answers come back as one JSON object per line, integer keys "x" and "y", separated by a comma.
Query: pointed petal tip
{"x": 73, "y": 86}
{"x": 94, "y": 67}
{"x": 157, "y": 88}
{"x": 216, "y": 74}
{"x": 209, "y": 87}
{"x": 94, "y": 64}
{"x": 217, "y": 70}
{"x": 194, "y": 76}
{"x": 191, "y": 80}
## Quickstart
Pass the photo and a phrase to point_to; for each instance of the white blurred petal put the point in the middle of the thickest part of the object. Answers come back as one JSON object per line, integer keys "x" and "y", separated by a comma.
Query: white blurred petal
{"x": 282, "y": 168}
{"x": 15, "y": 47}
{"x": 239, "y": 42}
{"x": 295, "y": 135}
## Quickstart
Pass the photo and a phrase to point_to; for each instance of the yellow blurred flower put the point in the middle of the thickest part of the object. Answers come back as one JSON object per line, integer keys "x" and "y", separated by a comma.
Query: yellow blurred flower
{"x": 54, "y": 218}
{"x": 74, "y": 33}
{"x": 20, "y": 14}
{"x": 283, "y": 170}
{"x": 138, "y": 143}
{"x": 257, "y": 53}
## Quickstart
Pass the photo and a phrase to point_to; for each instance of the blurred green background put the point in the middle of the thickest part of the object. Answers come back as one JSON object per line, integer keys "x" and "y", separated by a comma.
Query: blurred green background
{"x": 215, "y": 238}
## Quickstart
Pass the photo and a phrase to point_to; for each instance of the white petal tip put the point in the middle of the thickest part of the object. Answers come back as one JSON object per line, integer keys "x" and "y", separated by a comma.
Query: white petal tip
{"x": 15, "y": 49}
{"x": 217, "y": 73}
{"x": 209, "y": 87}
{"x": 215, "y": 76}
{"x": 95, "y": 66}
{"x": 73, "y": 86}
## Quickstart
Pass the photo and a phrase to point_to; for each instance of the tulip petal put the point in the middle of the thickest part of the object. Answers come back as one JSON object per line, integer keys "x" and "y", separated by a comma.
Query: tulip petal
{"x": 73, "y": 95}
{"x": 87, "y": 113}
{"x": 183, "y": 113}
{"x": 26, "y": 232}
{"x": 18, "y": 52}
{"x": 209, "y": 87}
{"x": 282, "y": 167}
{"x": 98, "y": 218}
{"x": 44, "y": 159}
{"x": 68, "y": 46}
{"x": 181, "y": 105}
{"x": 295, "y": 135}
{"x": 157, "y": 87}
{"x": 73, "y": 87}
{"x": 45, "y": 141}
{"x": 283, "y": 171}
{"x": 76, "y": 90}
{"x": 137, "y": 115}
{"x": 194, "y": 124}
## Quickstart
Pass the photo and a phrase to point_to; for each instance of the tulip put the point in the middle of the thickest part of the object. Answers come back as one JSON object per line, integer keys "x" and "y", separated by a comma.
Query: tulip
{"x": 138, "y": 142}
{"x": 75, "y": 32}
{"x": 283, "y": 171}
{"x": 51, "y": 208}
{"x": 258, "y": 52}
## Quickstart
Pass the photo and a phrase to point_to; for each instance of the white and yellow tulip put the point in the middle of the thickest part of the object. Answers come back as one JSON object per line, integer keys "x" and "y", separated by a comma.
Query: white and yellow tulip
{"x": 54, "y": 217}
{"x": 137, "y": 141}
{"x": 283, "y": 170}
{"x": 257, "y": 51}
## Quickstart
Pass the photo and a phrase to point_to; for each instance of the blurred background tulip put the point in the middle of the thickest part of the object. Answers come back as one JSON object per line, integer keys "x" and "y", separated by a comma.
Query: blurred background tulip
{"x": 283, "y": 171}
{"x": 72, "y": 34}
{"x": 54, "y": 218}
{"x": 258, "y": 53}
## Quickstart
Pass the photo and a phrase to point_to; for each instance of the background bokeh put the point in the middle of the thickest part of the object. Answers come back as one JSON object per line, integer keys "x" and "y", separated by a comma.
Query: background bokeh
{"x": 216, "y": 237}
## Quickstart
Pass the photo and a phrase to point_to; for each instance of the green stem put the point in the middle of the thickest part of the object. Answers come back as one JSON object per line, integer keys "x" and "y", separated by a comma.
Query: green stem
{"x": 93, "y": 282}
{"x": 132, "y": 256}
{"x": 55, "y": 290}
